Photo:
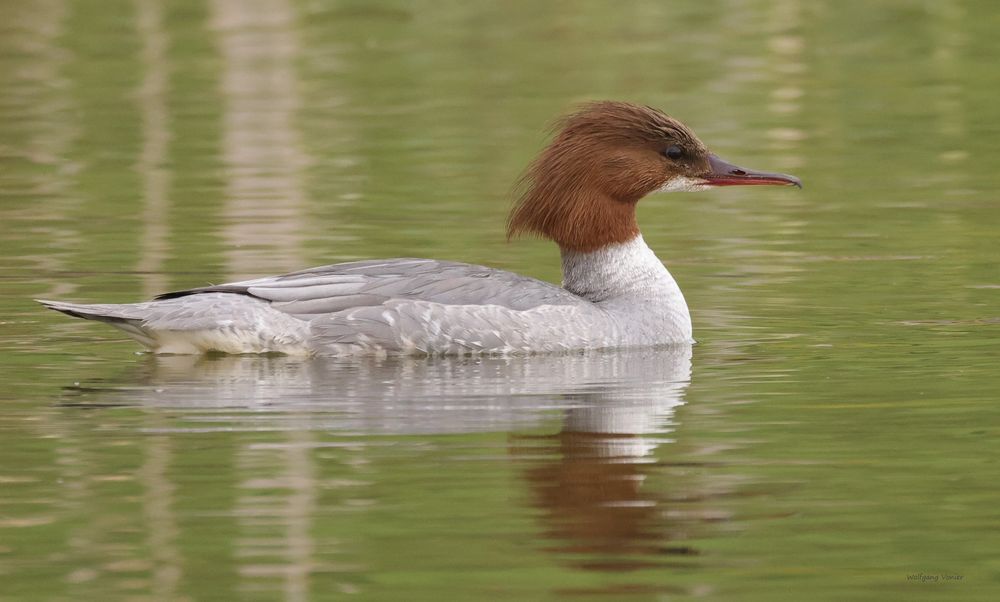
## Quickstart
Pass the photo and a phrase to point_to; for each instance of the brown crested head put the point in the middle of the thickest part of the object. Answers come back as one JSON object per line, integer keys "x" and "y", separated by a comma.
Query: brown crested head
{"x": 582, "y": 189}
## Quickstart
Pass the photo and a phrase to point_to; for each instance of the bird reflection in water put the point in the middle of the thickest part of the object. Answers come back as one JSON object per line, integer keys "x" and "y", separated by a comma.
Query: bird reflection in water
{"x": 586, "y": 481}
{"x": 589, "y": 484}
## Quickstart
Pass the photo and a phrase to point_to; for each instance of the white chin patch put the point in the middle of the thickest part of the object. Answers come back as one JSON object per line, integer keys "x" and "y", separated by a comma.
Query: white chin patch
{"x": 684, "y": 184}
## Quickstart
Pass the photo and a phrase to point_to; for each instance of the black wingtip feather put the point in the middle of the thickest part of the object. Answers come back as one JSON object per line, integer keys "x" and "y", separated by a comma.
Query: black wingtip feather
{"x": 222, "y": 288}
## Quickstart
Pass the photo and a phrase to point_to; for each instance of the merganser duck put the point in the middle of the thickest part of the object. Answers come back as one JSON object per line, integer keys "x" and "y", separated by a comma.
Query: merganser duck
{"x": 581, "y": 193}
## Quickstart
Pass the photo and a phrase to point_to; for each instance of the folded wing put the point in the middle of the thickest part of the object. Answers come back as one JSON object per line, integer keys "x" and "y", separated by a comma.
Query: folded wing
{"x": 336, "y": 288}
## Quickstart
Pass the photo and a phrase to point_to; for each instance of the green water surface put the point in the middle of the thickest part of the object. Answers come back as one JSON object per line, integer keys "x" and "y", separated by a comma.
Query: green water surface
{"x": 833, "y": 436}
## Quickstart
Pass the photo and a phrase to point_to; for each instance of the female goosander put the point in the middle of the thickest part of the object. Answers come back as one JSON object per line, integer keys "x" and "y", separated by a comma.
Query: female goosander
{"x": 581, "y": 193}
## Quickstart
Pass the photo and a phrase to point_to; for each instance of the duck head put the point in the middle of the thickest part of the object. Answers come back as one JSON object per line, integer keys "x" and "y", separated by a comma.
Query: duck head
{"x": 582, "y": 190}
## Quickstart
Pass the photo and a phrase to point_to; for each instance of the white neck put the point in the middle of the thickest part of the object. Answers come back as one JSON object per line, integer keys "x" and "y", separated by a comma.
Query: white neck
{"x": 623, "y": 269}
{"x": 631, "y": 286}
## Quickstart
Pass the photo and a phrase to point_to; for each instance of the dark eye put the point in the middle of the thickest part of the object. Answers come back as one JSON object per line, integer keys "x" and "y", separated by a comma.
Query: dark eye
{"x": 673, "y": 152}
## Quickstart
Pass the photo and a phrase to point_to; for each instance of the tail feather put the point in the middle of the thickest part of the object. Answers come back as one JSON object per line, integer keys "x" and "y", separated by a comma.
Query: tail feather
{"x": 120, "y": 316}
{"x": 213, "y": 321}
{"x": 102, "y": 312}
